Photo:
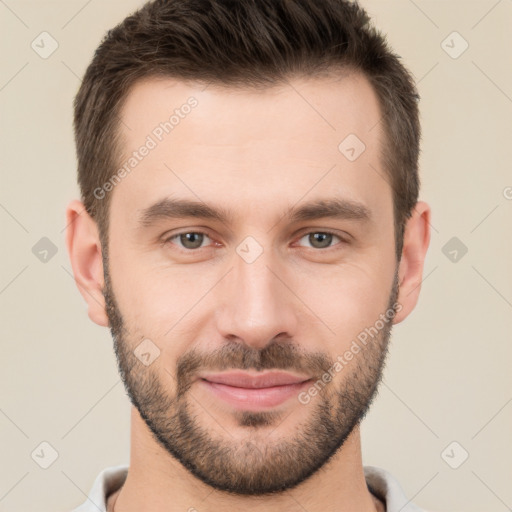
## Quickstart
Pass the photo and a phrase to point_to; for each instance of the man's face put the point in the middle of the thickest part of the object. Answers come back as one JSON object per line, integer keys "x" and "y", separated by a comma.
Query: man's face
{"x": 261, "y": 290}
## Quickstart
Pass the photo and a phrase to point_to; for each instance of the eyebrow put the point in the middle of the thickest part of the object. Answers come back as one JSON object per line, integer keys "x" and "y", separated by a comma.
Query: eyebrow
{"x": 336, "y": 208}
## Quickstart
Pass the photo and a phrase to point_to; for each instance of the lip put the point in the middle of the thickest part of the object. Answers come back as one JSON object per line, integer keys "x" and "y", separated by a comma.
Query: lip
{"x": 259, "y": 380}
{"x": 254, "y": 391}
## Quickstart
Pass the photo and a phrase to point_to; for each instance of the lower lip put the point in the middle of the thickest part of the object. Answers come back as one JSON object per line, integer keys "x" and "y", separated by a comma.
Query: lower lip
{"x": 254, "y": 399}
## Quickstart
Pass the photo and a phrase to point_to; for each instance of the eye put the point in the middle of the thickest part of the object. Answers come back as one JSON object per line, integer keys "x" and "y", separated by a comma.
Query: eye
{"x": 189, "y": 240}
{"x": 320, "y": 239}
{"x": 193, "y": 240}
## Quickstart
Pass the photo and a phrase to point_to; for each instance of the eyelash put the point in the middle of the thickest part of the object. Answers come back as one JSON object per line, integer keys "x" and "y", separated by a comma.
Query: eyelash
{"x": 324, "y": 232}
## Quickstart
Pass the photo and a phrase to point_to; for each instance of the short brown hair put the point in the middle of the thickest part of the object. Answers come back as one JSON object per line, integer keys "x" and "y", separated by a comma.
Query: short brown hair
{"x": 243, "y": 43}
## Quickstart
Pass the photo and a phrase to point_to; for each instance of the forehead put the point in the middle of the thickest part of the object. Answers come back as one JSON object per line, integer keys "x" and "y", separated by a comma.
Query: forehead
{"x": 327, "y": 106}
{"x": 251, "y": 147}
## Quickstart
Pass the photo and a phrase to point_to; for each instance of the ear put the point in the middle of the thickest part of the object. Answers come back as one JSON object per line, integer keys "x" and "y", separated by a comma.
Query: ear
{"x": 410, "y": 273}
{"x": 84, "y": 249}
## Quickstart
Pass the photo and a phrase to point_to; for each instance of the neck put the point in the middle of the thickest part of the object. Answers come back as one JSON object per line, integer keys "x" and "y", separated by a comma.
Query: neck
{"x": 157, "y": 481}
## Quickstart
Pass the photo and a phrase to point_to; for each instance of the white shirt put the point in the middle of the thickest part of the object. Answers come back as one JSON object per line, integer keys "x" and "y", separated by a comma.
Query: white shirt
{"x": 380, "y": 482}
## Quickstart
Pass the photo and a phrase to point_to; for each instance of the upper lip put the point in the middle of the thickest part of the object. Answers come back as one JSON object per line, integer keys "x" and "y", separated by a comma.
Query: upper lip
{"x": 242, "y": 379}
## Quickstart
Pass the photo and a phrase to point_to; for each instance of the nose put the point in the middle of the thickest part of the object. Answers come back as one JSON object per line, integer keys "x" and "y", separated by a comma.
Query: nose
{"x": 255, "y": 303}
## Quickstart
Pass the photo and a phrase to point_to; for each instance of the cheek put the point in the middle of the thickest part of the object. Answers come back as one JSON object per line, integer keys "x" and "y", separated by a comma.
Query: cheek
{"x": 158, "y": 302}
{"x": 347, "y": 299}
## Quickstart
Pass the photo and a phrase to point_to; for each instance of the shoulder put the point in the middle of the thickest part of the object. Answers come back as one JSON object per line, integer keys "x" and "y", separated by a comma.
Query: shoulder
{"x": 107, "y": 482}
{"x": 386, "y": 487}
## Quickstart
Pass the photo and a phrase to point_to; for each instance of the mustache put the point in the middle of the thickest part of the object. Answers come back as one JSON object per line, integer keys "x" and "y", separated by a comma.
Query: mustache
{"x": 236, "y": 356}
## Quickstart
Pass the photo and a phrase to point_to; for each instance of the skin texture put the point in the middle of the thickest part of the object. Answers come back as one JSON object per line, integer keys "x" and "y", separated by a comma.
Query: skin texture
{"x": 298, "y": 306}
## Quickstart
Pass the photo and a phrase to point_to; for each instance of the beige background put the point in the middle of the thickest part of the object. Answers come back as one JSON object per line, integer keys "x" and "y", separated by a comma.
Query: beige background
{"x": 448, "y": 377}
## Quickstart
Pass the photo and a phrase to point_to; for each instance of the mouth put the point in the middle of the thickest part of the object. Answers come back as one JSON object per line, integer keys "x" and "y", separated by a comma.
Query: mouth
{"x": 254, "y": 391}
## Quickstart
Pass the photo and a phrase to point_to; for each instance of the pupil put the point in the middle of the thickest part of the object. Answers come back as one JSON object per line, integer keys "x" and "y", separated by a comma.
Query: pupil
{"x": 322, "y": 237}
{"x": 196, "y": 239}
{"x": 189, "y": 237}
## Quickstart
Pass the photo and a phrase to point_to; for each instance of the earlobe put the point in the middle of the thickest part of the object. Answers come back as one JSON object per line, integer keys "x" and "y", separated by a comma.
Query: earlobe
{"x": 416, "y": 242}
{"x": 84, "y": 249}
